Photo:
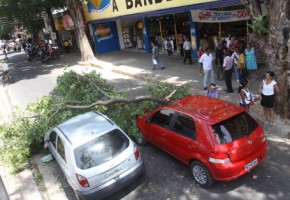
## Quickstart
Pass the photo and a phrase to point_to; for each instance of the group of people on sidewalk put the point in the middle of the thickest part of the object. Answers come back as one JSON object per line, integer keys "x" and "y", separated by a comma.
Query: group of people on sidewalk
{"x": 243, "y": 63}
{"x": 230, "y": 57}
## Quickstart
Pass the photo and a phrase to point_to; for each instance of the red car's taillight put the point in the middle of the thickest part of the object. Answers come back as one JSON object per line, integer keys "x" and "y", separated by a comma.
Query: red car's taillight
{"x": 220, "y": 158}
{"x": 83, "y": 181}
{"x": 136, "y": 152}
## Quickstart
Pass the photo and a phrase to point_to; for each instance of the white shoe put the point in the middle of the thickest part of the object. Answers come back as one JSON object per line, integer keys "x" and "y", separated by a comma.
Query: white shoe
{"x": 238, "y": 80}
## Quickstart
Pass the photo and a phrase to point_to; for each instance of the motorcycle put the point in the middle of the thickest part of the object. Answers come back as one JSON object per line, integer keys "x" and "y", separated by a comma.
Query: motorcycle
{"x": 48, "y": 53}
{"x": 5, "y": 76}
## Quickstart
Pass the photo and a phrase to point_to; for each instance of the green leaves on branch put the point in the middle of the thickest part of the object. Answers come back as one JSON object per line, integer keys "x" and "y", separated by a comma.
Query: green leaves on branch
{"x": 260, "y": 25}
{"x": 23, "y": 135}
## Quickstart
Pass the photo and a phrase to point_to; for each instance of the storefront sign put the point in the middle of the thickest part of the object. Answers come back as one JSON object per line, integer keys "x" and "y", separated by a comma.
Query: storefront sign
{"x": 105, "y": 9}
{"x": 103, "y": 32}
{"x": 211, "y": 16}
{"x": 67, "y": 22}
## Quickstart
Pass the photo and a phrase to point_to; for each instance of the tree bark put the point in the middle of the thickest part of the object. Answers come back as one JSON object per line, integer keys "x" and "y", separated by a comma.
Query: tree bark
{"x": 53, "y": 28}
{"x": 85, "y": 48}
{"x": 275, "y": 47}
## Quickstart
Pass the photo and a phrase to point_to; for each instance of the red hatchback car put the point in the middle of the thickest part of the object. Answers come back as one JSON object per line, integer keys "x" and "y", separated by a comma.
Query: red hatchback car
{"x": 219, "y": 140}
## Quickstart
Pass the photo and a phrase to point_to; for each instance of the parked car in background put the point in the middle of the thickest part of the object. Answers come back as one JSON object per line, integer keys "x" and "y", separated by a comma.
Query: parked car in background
{"x": 95, "y": 155}
{"x": 217, "y": 139}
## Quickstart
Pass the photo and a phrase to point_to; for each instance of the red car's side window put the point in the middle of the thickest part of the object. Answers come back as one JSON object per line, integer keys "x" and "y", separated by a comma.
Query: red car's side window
{"x": 162, "y": 118}
{"x": 185, "y": 126}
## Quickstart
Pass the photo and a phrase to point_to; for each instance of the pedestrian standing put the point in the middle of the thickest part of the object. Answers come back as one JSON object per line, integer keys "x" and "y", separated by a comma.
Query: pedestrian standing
{"x": 245, "y": 95}
{"x": 228, "y": 68}
{"x": 187, "y": 51}
{"x": 235, "y": 57}
{"x": 169, "y": 48}
{"x": 267, "y": 91}
{"x": 251, "y": 62}
{"x": 66, "y": 46}
{"x": 155, "y": 56}
{"x": 5, "y": 51}
{"x": 199, "y": 54}
{"x": 206, "y": 61}
{"x": 229, "y": 40}
{"x": 70, "y": 45}
{"x": 242, "y": 66}
{"x": 219, "y": 61}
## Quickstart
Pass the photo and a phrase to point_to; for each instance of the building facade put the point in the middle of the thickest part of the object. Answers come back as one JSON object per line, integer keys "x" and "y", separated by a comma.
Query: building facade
{"x": 132, "y": 24}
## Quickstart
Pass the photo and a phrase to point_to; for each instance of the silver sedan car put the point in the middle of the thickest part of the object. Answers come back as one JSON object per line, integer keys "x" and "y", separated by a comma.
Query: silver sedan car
{"x": 96, "y": 156}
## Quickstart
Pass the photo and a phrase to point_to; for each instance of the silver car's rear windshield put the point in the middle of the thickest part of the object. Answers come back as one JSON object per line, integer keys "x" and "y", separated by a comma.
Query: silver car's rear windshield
{"x": 101, "y": 149}
{"x": 234, "y": 128}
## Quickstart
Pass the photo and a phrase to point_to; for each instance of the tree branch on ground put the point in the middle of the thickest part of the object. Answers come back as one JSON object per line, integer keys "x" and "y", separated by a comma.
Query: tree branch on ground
{"x": 90, "y": 82}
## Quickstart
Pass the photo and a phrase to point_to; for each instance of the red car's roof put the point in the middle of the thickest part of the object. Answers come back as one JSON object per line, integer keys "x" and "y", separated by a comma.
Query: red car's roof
{"x": 214, "y": 110}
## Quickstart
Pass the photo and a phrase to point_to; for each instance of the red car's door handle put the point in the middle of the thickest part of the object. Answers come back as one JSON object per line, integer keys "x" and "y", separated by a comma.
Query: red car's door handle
{"x": 190, "y": 146}
{"x": 163, "y": 133}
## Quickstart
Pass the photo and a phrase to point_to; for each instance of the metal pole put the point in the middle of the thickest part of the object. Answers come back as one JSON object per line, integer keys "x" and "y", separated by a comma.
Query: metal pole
{"x": 160, "y": 27}
{"x": 175, "y": 31}
{"x": 220, "y": 32}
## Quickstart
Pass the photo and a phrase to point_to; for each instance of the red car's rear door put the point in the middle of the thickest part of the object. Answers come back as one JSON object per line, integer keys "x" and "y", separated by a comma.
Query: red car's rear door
{"x": 180, "y": 140}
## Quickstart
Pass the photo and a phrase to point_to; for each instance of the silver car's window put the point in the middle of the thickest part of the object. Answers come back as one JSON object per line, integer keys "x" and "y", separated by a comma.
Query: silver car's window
{"x": 101, "y": 149}
{"x": 234, "y": 128}
{"x": 60, "y": 148}
{"x": 52, "y": 138}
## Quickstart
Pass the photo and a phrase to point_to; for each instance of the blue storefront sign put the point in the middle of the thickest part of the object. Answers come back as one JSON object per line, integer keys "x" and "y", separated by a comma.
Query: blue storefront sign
{"x": 105, "y": 37}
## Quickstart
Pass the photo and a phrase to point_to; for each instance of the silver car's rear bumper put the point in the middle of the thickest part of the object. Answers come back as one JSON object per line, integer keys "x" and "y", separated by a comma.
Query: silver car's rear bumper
{"x": 114, "y": 185}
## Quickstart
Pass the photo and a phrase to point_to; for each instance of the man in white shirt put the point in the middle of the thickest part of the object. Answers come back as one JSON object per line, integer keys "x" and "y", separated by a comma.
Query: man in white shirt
{"x": 187, "y": 51}
{"x": 235, "y": 57}
{"x": 229, "y": 40}
{"x": 206, "y": 60}
{"x": 228, "y": 68}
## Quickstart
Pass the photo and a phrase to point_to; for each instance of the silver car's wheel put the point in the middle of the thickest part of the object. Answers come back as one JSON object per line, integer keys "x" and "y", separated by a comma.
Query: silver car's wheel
{"x": 201, "y": 174}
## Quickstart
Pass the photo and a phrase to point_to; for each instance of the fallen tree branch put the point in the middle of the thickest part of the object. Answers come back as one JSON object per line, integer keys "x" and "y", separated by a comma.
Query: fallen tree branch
{"x": 91, "y": 83}
{"x": 113, "y": 101}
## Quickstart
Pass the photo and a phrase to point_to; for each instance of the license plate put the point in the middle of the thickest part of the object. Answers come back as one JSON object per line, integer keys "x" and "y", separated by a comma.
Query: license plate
{"x": 113, "y": 172}
{"x": 251, "y": 165}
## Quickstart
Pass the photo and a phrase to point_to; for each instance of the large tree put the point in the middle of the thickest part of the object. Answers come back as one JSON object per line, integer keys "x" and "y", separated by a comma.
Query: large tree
{"x": 75, "y": 7}
{"x": 272, "y": 37}
{"x": 29, "y": 13}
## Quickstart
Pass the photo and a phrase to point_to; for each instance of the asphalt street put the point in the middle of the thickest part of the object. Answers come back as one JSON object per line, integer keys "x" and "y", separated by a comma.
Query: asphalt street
{"x": 165, "y": 178}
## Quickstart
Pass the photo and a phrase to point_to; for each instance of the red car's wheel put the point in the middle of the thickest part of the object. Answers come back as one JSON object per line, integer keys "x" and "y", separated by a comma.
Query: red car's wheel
{"x": 201, "y": 174}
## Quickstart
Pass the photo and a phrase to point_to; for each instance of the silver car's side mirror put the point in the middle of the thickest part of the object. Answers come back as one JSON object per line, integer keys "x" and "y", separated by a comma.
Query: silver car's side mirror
{"x": 46, "y": 143}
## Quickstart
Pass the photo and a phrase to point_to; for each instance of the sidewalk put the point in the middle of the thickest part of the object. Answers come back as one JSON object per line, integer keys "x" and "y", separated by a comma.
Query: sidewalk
{"x": 138, "y": 65}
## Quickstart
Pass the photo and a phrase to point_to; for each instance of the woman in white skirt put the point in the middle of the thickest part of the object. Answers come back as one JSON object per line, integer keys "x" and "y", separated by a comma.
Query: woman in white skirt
{"x": 267, "y": 91}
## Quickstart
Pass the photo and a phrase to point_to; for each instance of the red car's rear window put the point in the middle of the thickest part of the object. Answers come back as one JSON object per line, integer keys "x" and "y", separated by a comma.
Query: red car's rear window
{"x": 234, "y": 128}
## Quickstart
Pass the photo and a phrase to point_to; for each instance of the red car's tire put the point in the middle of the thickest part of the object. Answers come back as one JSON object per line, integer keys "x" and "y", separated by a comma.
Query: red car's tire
{"x": 201, "y": 174}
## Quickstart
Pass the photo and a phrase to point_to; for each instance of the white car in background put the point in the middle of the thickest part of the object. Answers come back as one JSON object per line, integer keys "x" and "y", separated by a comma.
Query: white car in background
{"x": 95, "y": 155}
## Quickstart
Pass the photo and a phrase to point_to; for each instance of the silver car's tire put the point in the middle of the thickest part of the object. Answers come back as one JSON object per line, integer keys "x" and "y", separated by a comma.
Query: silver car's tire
{"x": 201, "y": 174}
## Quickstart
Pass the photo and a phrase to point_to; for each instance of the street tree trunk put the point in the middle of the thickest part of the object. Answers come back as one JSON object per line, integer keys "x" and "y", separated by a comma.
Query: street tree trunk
{"x": 53, "y": 28}
{"x": 275, "y": 47}
{"x": 85, "y": 48}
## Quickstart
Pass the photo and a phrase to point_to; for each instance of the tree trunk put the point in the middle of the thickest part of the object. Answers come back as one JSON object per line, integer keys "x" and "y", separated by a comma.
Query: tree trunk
{"x": 53, "y": 28}
{"x": 85, "y": 48}
{"x": 274, "y": 47}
